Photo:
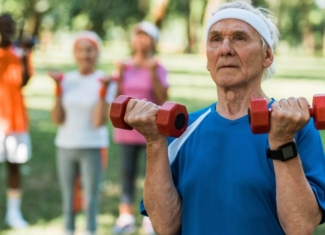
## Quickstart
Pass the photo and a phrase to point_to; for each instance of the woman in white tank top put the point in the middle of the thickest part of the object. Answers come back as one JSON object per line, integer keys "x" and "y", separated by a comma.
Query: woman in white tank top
{"x": 81, "y": 111}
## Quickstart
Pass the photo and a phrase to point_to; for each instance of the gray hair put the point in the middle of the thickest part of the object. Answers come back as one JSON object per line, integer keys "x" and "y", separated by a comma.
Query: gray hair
{"x": 267, "y": 17}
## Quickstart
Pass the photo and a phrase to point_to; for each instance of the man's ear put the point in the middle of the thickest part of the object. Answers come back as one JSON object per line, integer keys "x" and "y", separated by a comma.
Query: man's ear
{"x": 207, "y": 64}
{"x": 268, "y": 57}
{"x": 207, "y": 67}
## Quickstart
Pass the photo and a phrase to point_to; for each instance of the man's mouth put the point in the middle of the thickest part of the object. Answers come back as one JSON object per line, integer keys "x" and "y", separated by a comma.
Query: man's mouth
{"x": 227, "y": 66}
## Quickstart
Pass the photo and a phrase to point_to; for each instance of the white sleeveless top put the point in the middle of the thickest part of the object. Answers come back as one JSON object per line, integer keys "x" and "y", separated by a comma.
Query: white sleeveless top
{"x": 80, "y": 95}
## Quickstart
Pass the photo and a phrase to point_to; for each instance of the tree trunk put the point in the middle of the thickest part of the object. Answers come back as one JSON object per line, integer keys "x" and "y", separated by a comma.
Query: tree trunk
{"x": 324, "y": 43}
{"x": 158, "y": 11}
{"x": 210, "y": 8}
{"x": 308, "y": 37}
{"x": 37, "y": 24}
{"x": 190, "y": 31}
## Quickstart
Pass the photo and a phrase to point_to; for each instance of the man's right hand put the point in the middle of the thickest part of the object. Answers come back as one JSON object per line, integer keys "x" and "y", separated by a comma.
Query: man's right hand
{"x": 141, "y": 115}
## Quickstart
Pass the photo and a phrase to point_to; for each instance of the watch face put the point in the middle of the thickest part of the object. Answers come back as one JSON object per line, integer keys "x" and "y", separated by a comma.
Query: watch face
{"x": 287, "y": 152}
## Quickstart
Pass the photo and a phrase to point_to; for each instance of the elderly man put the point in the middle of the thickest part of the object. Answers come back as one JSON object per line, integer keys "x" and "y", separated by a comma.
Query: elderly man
{"x": 218, "y": 177}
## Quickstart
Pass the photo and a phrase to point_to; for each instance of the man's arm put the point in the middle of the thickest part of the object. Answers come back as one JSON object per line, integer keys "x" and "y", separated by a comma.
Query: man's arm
{"x": 297, "y": 206}
{"x": 161, "y": 199}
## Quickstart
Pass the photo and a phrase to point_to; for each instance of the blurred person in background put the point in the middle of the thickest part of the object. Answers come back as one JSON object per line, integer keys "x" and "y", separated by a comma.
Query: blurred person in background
{"x": 81, "y": 111}
{"x": 140, "y": 76}
{"x": 15, "y": 146}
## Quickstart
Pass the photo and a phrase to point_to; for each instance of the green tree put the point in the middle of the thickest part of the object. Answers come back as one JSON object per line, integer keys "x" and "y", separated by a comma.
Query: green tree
{"x": 100, "y": 12}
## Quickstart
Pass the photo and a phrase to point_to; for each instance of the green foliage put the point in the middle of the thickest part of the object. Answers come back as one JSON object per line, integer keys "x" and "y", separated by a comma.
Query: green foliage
{"x": 96, "y": 14}
{"x": 121, "y": 13}
{"x": 295, "y": 18}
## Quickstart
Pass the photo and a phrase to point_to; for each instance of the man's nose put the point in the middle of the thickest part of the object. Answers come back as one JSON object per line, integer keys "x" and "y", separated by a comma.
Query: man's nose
{"x": 226, "y": 48}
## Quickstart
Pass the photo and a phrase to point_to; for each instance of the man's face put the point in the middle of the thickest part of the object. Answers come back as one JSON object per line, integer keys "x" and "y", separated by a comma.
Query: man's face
{"x": 7, "y": 28}
{"x": 235, "y": 56}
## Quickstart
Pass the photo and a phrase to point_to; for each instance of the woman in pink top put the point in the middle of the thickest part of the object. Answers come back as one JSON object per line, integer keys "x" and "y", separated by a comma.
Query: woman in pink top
{"x": 142, "y": 77}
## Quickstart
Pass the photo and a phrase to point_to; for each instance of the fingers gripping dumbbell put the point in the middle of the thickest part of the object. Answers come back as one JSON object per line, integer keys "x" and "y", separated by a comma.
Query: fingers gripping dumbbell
{"x": 172, "y": 118}
{"x": 259, "y": 114}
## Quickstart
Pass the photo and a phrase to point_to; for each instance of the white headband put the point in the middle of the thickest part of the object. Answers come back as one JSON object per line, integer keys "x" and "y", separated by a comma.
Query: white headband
{"x": 244, "y": 15}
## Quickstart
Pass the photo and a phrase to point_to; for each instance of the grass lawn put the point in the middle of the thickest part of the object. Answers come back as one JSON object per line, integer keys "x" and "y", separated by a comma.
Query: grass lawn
{"x": 190, "y": 85}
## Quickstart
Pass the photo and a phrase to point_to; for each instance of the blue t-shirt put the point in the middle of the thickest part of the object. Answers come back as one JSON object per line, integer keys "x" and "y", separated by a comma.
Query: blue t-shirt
{"x": 225, "y": 180}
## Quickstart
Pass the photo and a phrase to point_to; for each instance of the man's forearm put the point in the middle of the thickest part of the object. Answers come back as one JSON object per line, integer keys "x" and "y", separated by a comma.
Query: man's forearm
{"x": 161, "y": 199}
{"x": 297, "y": 207}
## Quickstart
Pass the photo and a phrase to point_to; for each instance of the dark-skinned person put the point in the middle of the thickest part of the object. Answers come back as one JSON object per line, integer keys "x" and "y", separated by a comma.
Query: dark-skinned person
{"x": 15, "y": 145}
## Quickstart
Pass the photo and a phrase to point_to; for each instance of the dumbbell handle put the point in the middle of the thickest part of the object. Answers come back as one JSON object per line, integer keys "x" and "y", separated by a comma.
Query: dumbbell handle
{"x": 311, "y": 111}
{"x": 259, "y": 114}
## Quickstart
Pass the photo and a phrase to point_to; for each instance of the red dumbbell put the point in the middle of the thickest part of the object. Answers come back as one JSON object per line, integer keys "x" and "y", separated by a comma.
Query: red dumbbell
{"x": 259, "y": 114}
{"x": 171, "y": 118}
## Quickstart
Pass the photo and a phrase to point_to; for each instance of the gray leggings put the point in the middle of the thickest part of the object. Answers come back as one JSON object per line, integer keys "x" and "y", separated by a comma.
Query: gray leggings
{"x": 69, "y": 163}
{"x": 129, "y": 157}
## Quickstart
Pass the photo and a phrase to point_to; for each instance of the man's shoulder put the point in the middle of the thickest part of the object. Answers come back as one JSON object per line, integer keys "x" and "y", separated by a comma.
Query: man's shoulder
{"x": 194, "y": 120}
{"x": 199, "y": 114}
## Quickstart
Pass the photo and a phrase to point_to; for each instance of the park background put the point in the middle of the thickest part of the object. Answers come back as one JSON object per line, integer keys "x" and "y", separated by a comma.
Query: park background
{"x": 300, "y": 64}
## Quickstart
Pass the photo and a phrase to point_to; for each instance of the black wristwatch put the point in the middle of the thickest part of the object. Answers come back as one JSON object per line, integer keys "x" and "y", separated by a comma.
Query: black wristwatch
{"x": 284, "y": 152}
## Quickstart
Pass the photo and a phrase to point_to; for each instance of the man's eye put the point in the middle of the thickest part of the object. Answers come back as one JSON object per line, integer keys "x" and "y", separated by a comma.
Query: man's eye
{"x": 216, "y": 39}
{"x": 239, "y": 38}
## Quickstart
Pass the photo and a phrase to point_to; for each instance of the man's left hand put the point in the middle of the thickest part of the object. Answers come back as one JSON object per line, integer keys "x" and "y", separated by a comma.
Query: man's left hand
{"x": 288, "y": 117}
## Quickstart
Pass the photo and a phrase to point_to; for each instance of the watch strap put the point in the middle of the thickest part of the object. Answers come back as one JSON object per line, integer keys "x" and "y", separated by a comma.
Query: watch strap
{"x": 284, "y": 152}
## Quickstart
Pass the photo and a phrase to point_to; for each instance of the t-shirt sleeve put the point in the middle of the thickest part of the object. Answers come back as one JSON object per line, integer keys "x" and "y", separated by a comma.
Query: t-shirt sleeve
{"x": 142, "y": 208}
{"x": 311, "y": 152}
{"x": 162, "y": 75}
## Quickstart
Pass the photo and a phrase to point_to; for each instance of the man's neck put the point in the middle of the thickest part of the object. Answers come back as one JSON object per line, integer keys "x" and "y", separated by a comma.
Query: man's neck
{"x": 233, "y": 102}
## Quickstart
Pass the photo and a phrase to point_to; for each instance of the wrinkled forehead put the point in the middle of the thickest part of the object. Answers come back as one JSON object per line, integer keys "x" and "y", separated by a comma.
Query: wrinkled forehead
{"x": 256, "y": 21}
{"x": 232, "y": 26}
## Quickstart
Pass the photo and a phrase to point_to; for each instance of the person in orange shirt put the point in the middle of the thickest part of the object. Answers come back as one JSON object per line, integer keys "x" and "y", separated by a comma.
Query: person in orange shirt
{"x": 15, "y": 71}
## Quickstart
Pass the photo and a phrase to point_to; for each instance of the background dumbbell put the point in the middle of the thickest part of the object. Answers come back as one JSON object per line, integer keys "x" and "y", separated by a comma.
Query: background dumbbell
{"x": 259, "y": 114}
{"x": 172, "y": 118}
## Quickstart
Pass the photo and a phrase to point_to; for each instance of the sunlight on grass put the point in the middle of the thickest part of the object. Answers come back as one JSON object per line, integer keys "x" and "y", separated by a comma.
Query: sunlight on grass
{"x": 54, "y": 227}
